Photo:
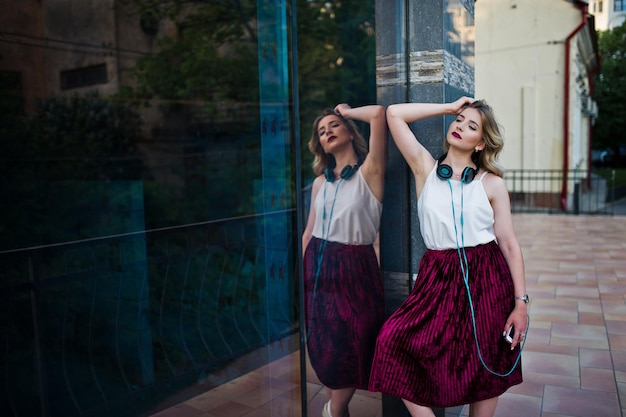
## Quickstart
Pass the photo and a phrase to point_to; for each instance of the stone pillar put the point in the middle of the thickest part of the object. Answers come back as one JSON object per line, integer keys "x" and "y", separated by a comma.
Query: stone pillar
{"x": 425, "y": 53}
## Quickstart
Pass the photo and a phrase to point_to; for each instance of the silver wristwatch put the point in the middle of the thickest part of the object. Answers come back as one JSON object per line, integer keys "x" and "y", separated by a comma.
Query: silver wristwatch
{"x": 523, "y": 298}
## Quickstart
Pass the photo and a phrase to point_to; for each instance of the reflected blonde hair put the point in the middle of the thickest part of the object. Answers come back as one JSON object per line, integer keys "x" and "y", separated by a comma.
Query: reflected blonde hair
{"x": 323, "y": 160}
{"x": 492, "y": 137}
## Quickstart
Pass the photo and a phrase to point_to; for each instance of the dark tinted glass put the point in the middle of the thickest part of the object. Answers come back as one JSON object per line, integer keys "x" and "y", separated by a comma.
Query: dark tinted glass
{"x": 148, "y": 224}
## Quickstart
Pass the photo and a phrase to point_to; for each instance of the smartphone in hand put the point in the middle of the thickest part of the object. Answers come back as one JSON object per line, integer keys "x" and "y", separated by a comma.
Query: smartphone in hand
{"x": 509, "y": 335}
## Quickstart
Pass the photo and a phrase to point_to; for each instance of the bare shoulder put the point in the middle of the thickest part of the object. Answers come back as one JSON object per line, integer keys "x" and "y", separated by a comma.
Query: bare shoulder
{"x": 494, "y": 185}
{"x": 318, "y": 182}
{"x": 492, "y": 179}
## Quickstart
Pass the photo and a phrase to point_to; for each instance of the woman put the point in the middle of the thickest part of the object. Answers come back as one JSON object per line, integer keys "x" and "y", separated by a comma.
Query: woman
{"x": 343, "y": 284}
{"x": 445, "y": 344}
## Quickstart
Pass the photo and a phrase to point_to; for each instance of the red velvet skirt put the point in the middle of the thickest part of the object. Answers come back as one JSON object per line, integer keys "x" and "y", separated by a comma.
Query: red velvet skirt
{"x": 344, "y": 310}
{"x": 426, "y": 351}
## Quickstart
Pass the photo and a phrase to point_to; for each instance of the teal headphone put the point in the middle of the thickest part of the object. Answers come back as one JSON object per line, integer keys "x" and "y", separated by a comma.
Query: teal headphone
{"x": 444, "y": 171}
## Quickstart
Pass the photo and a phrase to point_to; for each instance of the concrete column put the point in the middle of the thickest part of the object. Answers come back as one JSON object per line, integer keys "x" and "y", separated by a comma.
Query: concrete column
{"x": 425, "y": 52}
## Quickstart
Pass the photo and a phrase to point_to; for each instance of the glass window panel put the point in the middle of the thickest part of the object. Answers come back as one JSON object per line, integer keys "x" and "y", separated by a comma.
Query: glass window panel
{"x": 148, "y": 248}
{"x": 336, "y": 64}
{"x": 148, "y": 253}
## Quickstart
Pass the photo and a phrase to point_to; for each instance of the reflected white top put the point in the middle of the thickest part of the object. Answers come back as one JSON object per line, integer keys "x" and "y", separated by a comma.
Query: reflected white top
{"x": 356, "y": 213}
{"x": 473, "y": 213}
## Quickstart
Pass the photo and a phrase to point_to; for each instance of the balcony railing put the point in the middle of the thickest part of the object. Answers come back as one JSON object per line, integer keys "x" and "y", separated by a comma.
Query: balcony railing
{"x": 541, "y": 191}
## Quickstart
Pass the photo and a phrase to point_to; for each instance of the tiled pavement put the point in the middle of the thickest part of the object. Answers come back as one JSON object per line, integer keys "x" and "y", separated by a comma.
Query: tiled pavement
{"x": 574, "y": 360}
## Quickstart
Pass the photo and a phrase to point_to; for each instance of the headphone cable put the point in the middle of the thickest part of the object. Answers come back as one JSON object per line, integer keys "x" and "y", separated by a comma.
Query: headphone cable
{"x": 322, "y": 248}
{"x": 465, "y": 271}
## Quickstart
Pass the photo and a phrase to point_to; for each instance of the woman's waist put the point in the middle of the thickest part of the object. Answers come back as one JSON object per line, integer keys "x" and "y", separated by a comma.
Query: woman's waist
{"x": 466, "y": 248}
{"x": 340, "y": 244}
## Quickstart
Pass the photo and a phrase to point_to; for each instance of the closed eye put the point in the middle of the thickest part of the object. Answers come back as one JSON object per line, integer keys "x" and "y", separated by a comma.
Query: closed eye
{"x": 333, "y": 125}
{"x": 471, "y": 124}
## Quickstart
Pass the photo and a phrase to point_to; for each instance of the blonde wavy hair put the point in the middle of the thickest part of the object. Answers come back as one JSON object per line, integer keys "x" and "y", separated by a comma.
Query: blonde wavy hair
{"x": 323, "y": 160}
{"x": 491, "y": 136}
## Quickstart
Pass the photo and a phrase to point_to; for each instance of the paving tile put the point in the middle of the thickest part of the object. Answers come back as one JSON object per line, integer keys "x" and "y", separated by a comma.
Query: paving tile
{"x": 597, "y": 379}
{"x": 551, "y": 379}
{"x": 617, "y": 342}
{"x": 207, "y": 401}
{"x": 616, "y": 327}
{"x": 313, "y": 389}
{"x": 614, "y": 308}
{"x": 536, "y": 336}
{"x": 621, "y": 387}
{"x": 179, "y": 410}
{"x": 575, "y": 266}
{"x": 618, "y": 298}
{"x": 619, "y": 360}
{"x": 580, "y": 402}
{"x": 369, "y": 394}
{"x": 365, "y": 406}
{"x": 596, "y": 319}
{"x": 265, "y": 393}
{"x": 518, "y": 406}
{"x": 284, "y": 365}
{"x": 527, "y": 388}
{"x": 590, "y": 306}
{"x": 536, "y": 323}
{"x": 613, "y": 289}
{"x": 285, "y": 405}
{"x": 596, "y": 358}
{"x": 550, "y": 348}
{"x": 551, "y": 363}
{"x": 231, "y": 409}
{"x": 554, "y": 310}
{"x": 316, "y": 403}
{"x": 557, "y": 278}
{"x": 540, "y": 292}
{"x": 589, "y": 343}
{"x": 576, "y": 292}
{"x": 579, "y": 331}
{"x": 541, "y": 266}
{"x": 240, "y": 386}
{"x": 620, "y": 376}
{"x": 606, "y": 275}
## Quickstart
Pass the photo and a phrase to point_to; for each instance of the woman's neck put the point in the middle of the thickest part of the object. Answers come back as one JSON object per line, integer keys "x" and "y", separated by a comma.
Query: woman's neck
{"x": 459, "y": 161}
{"x": 345, "y": 159}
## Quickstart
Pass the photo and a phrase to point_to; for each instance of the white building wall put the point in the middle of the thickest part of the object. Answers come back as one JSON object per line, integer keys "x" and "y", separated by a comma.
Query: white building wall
{"x": 520, "y": 54}
{"x": 606, "y": 15}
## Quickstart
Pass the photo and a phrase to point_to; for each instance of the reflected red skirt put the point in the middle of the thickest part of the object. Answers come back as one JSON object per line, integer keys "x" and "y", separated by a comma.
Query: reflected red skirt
{"x": 426, "y": 351}
{"x": 344, "y": 310}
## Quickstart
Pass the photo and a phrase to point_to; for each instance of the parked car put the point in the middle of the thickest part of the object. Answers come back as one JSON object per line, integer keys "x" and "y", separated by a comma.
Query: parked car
{"x": 602, "y": 157}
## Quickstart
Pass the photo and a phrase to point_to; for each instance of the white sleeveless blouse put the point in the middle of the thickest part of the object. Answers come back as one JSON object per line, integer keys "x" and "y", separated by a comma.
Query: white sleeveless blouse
{"x": 346, "y": 211}
{"x": 473, "y": 214}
